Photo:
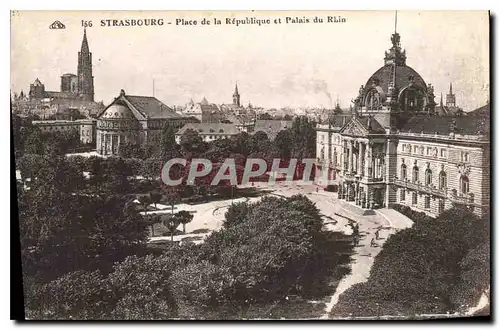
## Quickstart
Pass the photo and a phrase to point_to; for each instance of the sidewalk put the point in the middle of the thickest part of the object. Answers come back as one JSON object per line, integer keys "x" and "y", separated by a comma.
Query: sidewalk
{"x": 396, "y": 219}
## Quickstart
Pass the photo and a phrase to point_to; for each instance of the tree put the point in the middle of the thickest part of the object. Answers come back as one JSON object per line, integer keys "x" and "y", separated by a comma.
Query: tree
{"x": 171, "y": 222}
{"x": 283, "y": 144}
{"x": 80, "y": 295}
{"x": 155, "y": 197}
{"x": 201, "y": 289}
{"x": 192, "y": 143}
{"x": 184, "y": 217}
{"x": 145, "y": 200}
{"x": 131, "y": 150}
{"x": 172, "y": 195}
{"x": 265, "y": 116}
{"x": 236, "y": 214}
{"x": 33, "y": 140}
{"x": 427, "y": 267}
{"x": 241, "y": 144}
{"x": 168, "y": 146}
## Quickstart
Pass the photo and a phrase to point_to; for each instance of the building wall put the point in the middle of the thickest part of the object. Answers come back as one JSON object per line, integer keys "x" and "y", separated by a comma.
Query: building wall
{"x": 442, "y": 156}
{"x": 456, "y": 156}
{"x": 88, "y": 132}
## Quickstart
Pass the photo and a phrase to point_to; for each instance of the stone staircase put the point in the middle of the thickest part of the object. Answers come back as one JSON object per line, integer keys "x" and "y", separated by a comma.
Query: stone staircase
{"x": 356, "y": 209}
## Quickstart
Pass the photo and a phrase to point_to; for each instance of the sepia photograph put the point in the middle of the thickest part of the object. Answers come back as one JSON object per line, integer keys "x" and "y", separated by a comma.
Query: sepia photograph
{"x": 251, "y": 165}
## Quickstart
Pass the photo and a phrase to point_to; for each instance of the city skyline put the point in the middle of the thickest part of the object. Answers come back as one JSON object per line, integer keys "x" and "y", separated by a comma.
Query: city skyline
{"x": 304, "y": 77}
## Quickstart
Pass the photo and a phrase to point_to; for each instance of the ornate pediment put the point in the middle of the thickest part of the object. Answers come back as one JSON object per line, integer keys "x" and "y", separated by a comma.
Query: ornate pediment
{"x": 463, "y": 169}
{"x": 353, "y": 128}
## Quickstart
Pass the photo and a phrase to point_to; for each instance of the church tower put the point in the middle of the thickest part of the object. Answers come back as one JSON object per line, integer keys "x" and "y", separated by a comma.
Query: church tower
{"x": 85, "y": 78}
{"x": 236, "y": 97}
{"x": 450, "y": 98}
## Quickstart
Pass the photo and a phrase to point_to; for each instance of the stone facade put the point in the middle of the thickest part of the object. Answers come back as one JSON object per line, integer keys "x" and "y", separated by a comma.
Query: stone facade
{"x": 134, "y": 120}
{"x": 395, "y": 148}
{"x": 86, "y": 128}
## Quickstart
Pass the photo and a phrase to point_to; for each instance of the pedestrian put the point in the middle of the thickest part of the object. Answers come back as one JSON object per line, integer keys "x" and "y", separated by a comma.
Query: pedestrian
{"x": 372, "y": 244}
{"x": 376, "y": 235}
{"x": 317, "y": 189}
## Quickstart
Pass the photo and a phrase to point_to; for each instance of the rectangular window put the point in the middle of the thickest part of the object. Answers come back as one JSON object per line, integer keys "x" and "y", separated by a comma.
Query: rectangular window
{"x": 415, "y": 149}
{"x": 403, "y": 195}
{"x": 441, "y": 206}
{"x": 428, "y": 151}
{"x": 443, "y": 153}
{"x": 414, "y": 198}
{"x": 427, "y": 203}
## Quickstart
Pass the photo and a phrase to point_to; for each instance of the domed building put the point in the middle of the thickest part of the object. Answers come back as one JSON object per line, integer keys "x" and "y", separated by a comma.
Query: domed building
{"x": 134, "y": 119}
{"x": 395, "y": 148}
{"x": 395, "y": 91}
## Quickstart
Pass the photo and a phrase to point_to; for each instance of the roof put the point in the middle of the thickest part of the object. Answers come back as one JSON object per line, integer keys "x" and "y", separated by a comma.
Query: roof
{"x": 272, "y": 127}
{"x": 403, "y": 74}
{"x": 37, "y": 82}
{"x": 143, "y": 107}
{"x": 443, "y": 110}
{"x": 466, "y": 125}
{"x": 481, "y": 111}
{"x": 151, "y": 107}
{"x": 371, "y": 124}
{"x": 361, "y": 126}
{"x": 210, "y": 128}
{"x": 338, "y": 120}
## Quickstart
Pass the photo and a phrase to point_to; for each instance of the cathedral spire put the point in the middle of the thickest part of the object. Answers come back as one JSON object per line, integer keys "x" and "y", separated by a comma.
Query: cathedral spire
{"x": 236, "y": 96}
{"x": 85, "y": 85}
{"x": 236, "y": 90}
{"x": 450, "y": 98}
{"x": 85, "y": 44}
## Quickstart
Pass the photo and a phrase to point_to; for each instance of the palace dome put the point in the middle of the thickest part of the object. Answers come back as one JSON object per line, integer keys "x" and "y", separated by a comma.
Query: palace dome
{"x": 395, "y": 84}
{"x": 404, "y": 75}
{"x": 117, "y": 111}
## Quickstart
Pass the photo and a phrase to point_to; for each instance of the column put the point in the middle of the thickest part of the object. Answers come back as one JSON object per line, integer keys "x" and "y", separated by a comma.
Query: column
{"x": 350, "y": 156}
{"x": 367, "y": 159}
{"x": 371, "y": 197}
{"x": 356, "y": 194}
{"x": 341, "y": 155}
{"x": 329, "y": 144}
{"x": 386, "y": 173}
{"x": 106, "y": 143}
{"x": 119, "y": 142}
{"x": 360, "y": 158}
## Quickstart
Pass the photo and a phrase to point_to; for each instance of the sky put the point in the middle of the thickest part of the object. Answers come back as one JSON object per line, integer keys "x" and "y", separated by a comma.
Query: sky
{"x": 275, "y": 65}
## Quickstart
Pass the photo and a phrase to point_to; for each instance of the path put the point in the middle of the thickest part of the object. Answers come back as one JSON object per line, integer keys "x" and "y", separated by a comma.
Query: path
{"x": 364, "y": 252}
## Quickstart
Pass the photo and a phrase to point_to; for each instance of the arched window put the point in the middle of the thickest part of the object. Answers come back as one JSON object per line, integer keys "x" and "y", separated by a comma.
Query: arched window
{"x": 403, "y": 172}
{"x": 464, "y": 184}
{"x": 415, "y": 174}
{"x": 428, "y": 177}
{"x": 442, "y": 180}
{"x": 373, "y": 100}
{"x": 412, "y": 100}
